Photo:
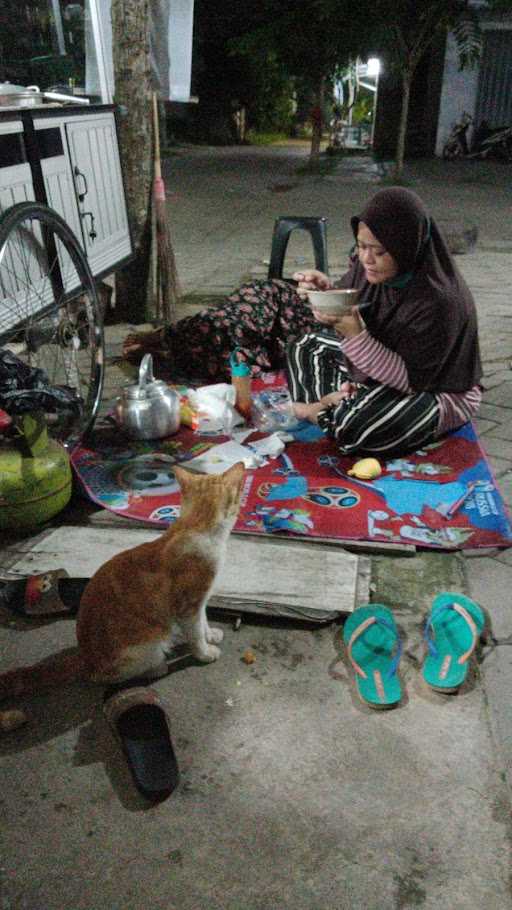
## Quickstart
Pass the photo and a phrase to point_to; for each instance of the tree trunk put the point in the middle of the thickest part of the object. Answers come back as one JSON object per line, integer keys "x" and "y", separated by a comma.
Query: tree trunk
{"x": 402, "y": 127}
{"x": 317, "y": 117}
{"x": 130, "y": 41}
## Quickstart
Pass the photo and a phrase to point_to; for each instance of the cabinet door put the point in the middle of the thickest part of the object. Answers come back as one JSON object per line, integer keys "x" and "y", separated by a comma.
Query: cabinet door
{"x": 20, "y": 294}
{"x": 24, "y": 286}
{"x": 15, "y": 174}
{"x": 96, "y": 170}
{"x": 59, "y": 187}
{"x": 57, "y": 176}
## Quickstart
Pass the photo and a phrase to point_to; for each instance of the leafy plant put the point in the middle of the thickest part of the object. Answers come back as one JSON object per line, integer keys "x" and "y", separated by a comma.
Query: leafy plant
{"x": 409, "y": 29}
{"x": 310, "y": 40}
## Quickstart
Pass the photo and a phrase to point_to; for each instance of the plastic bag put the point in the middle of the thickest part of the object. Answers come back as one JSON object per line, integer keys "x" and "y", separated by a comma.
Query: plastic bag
{"x": 215, "y": 407}
{"x": 272, "y": 410}
{"x": 24, "y": 389}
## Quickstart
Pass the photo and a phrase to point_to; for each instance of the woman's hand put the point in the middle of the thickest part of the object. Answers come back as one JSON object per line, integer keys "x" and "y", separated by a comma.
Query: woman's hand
{"x": 325, "y": 318}
{"x": 345, "y": 390}
{"x": 311, "y": 411}
{"x": 311, "y": 280}
{"x": 348, "y": 325}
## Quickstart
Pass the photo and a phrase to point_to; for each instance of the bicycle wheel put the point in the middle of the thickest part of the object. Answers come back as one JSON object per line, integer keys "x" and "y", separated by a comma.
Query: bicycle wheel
{"x": 50, "y": 315}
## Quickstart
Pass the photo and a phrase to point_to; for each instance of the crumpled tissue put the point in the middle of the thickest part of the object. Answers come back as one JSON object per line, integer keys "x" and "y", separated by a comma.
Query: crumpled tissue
{"x": 218, "y": 459}
{"x": 269, "y": 446}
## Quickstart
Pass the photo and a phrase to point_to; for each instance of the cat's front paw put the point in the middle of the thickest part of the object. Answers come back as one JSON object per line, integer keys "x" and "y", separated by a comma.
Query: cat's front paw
{"x": 213, "y": 636}
{"x": 209, "y": 654}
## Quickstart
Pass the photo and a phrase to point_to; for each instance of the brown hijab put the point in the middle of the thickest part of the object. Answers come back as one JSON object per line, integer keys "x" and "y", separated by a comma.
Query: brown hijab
{"x": 427, "y": 313}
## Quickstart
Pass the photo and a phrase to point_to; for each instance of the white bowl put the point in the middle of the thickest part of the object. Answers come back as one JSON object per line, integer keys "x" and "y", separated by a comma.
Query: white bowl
{"x": 335, "y": 302}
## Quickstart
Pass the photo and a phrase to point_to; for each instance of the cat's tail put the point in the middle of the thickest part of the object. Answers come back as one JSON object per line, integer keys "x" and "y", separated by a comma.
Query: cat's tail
{"x": 58, "y": 669}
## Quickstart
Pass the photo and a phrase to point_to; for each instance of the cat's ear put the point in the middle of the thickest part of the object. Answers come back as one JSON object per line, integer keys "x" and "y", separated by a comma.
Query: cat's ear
{"x": 236, "y": 471}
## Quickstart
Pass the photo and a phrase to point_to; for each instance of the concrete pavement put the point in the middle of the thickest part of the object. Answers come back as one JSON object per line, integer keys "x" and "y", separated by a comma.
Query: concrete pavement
{"x": 244, "y": 189}
{"x": 293, "y": 794}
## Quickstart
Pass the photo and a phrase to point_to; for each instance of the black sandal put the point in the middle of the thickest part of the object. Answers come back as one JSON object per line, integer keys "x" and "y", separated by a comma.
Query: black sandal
{"x": 141, "y": 723}
{"x": 48, "y": 594}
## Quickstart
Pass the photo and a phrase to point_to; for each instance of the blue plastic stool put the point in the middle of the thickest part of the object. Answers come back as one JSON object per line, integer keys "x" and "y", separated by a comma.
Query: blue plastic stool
{"x": 283, "y": 226}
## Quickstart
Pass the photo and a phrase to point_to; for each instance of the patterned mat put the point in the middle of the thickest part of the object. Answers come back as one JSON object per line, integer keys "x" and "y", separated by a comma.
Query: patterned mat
{"x": 444, "y": 496}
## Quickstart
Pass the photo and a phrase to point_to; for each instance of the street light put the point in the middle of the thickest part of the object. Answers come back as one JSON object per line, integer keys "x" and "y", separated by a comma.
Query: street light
{"x": 373, "y": 67}
{"x": 372, "y": 70}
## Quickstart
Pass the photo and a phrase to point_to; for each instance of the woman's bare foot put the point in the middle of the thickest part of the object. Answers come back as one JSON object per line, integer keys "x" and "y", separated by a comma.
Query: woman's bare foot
{"x": 131, "y": 347}
{"x": 137, "y": 344}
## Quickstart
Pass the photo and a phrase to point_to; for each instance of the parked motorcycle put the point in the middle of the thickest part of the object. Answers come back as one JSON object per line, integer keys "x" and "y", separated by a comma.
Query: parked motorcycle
{"x": 487, "y": 142}
{"x": 492, "y": 142}
{"x": 456, "y": 146}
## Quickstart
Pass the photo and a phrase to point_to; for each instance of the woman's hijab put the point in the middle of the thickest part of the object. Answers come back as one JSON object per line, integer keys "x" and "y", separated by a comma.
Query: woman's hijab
{"x": 426, "y": 313}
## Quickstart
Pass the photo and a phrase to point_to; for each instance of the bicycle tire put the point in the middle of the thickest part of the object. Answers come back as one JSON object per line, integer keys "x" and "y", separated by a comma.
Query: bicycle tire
{"x": 50, "y": 316}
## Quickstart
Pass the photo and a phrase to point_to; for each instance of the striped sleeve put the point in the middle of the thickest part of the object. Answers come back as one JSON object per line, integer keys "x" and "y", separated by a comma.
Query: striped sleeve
{"x": 455, "y": 408}
{"x": 373, "y": 359}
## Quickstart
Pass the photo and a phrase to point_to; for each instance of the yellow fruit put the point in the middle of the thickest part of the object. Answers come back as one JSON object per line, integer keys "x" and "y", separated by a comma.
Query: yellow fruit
{"x": 366, "y": 469}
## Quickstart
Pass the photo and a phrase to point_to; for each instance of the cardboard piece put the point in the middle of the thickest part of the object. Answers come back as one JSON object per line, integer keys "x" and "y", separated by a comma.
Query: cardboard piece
{"x": 275, "y": 577}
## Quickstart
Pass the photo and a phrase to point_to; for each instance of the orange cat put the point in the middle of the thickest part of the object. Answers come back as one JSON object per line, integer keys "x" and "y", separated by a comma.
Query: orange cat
{"x": 130, "y": 604}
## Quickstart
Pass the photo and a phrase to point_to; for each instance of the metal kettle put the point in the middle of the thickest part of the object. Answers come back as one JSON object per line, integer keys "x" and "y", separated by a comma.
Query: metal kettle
{"x": 148, "y": 409}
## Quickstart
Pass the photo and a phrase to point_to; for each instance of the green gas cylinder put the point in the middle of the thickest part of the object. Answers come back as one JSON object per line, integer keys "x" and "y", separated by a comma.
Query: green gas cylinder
{"x": 35, "y": 476}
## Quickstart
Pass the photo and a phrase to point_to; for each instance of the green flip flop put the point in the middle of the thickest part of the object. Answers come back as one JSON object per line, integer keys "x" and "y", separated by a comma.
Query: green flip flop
{"x": 371, "y": 637}
{"x": 451, "y": 633}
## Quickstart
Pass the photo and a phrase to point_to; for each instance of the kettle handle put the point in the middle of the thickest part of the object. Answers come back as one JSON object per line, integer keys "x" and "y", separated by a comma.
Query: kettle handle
{"x": 146, "y": 371}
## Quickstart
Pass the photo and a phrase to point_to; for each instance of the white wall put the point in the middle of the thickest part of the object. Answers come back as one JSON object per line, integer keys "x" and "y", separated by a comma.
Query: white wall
{"x": 459, "y": 88}
{"x": 458, "y": 94}
{"x": 171, "y": 47}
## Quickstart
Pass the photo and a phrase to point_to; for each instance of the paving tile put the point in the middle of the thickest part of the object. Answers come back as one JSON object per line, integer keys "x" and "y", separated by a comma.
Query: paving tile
{"x": 501, "y": 431}
{"x": 493, "y": 445}
{"x": 501, "y": 395}
{"x": 483, "y": 425}
{"x": 492, "y": 412}
{"x": 499, "y": 465}
{"x": 505, "y": 485}
{"x": 495, "y": 376}
{"x": 505, "y": 557}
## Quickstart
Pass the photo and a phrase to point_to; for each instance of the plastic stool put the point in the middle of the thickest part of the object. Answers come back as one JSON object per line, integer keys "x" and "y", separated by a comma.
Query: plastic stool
{"x": 283, "y": 226}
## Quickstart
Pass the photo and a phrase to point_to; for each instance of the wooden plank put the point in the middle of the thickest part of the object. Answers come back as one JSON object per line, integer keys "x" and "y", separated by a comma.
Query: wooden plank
{"x": 306, "y": 580}
{"x": 259, "y": 575}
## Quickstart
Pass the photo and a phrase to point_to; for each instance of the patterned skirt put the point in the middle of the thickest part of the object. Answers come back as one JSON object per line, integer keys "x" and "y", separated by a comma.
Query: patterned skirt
{"x": 260, "y": 318}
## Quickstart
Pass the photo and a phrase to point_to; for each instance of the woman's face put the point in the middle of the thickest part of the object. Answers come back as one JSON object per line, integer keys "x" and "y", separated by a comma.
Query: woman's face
{"x": 378, "y": 264}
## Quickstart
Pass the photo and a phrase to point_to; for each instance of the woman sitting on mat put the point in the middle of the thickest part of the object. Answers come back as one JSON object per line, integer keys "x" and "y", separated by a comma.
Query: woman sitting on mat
{"x": 398, "y": 372}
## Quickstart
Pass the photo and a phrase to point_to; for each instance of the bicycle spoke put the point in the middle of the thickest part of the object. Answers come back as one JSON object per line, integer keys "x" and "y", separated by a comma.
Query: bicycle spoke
{"x": 49, "y": 312}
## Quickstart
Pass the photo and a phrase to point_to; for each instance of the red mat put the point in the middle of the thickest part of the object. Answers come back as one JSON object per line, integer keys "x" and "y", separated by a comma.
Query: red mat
{"x": 443, "y": 497}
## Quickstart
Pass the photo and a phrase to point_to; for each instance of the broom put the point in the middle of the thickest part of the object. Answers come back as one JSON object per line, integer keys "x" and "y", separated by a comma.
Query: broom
{"x": 167, "y": 284}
